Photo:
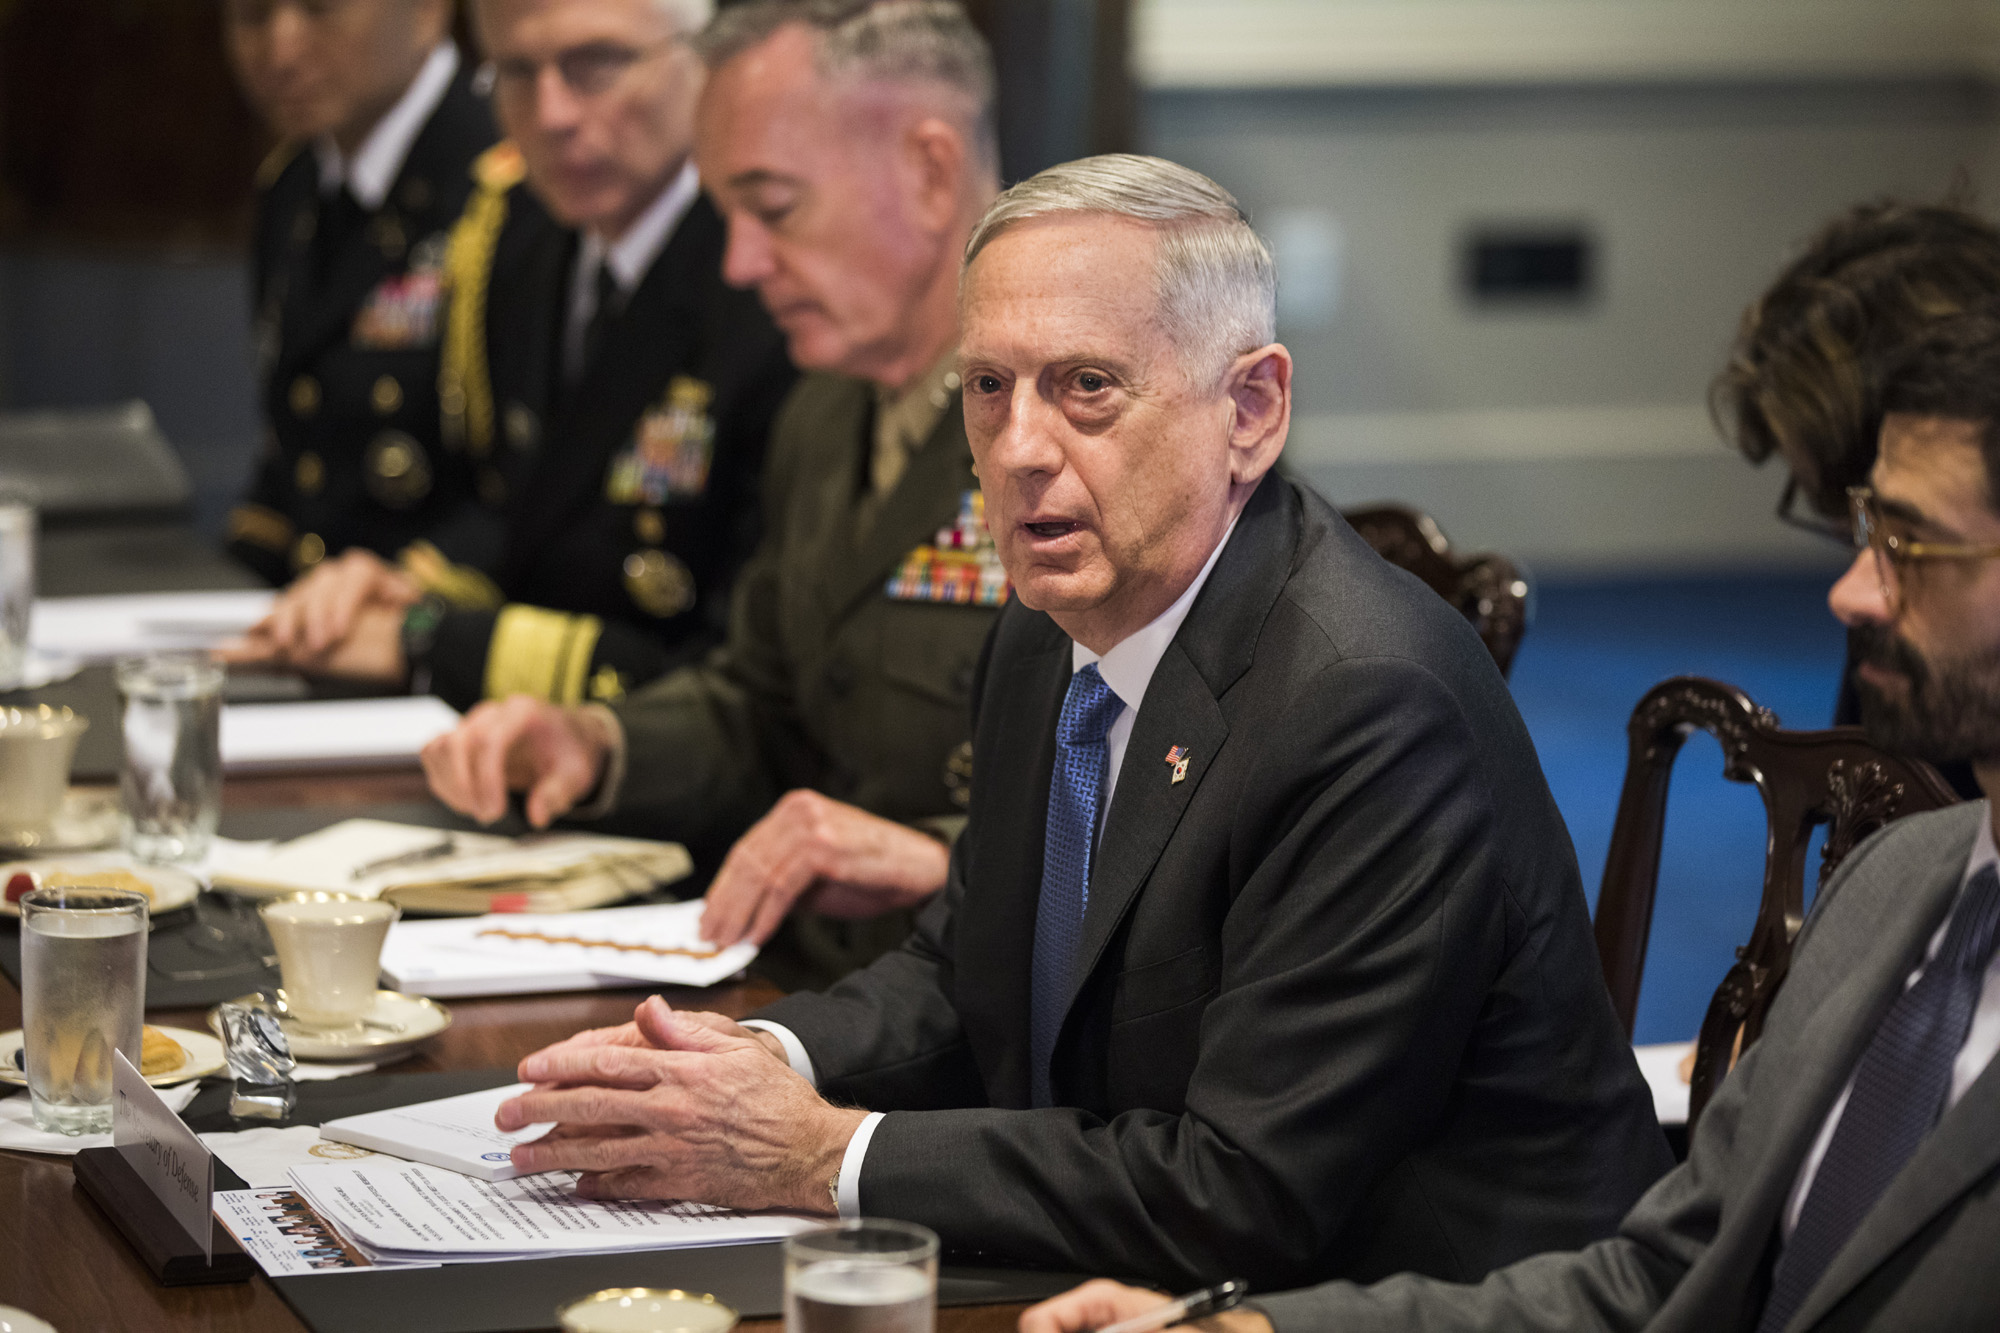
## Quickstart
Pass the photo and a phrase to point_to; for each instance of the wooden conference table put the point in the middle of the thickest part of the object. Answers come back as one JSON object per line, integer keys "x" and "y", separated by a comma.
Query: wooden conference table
{"x": 60, "y": 1258}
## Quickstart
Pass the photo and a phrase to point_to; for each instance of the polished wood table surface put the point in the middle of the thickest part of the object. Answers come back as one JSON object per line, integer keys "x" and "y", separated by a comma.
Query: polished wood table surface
{"x": 62, "y": 1260}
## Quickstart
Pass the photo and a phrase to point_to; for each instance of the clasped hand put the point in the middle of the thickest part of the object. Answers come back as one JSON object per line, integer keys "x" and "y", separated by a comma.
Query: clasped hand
{"x": 681, "y": 1106}
{"x": 343, "y": 618}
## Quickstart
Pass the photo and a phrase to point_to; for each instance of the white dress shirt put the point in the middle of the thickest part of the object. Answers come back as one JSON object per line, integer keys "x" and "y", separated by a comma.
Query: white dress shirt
{"x": 629, "y": 258}
{"x": 1981, "y": 1041}
{"x": 376, "y": 164}
{"x": 1128, "y": 669}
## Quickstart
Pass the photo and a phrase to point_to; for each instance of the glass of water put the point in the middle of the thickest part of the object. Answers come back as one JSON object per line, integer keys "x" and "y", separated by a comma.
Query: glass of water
{"x": 17, "y": 582}
{"x": 83, "y": 996}
{"x": 864, "y": 1275}
{"x": 171, "y": 717}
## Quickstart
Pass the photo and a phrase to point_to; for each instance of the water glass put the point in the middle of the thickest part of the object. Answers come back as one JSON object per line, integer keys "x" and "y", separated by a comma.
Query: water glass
{"x": 17, "y": 583}
{"x": 864, "y": 1275}
{"x": 329, "y": 955}
{"x": 172, "y": 783}
{"x": 83, "y": 996}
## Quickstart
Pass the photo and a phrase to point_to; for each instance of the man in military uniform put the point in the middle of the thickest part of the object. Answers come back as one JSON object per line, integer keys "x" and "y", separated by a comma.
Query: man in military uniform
{"x": 380, "y": 125}
{"x": 851, "y": 150}
{"x": 613, "y": 392}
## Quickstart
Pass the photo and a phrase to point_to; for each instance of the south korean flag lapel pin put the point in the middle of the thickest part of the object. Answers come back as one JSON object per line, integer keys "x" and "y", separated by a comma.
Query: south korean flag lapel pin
{"x": 1177, "y": 760}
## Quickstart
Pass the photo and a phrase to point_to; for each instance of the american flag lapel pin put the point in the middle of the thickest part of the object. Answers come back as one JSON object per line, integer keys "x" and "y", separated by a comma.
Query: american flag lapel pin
{"x": 1177, "y": 759}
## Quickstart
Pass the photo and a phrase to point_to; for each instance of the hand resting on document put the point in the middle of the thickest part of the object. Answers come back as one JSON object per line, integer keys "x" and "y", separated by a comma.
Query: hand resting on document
{"x": 520, "y": 743}
{"x": 836, "y": 859}
{"x": 681, "y": 1106}
{"x": 343, "y": 618}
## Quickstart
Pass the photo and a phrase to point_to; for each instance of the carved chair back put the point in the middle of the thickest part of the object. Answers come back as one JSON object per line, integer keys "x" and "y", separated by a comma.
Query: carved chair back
{"x": 1486, "y": 588}
{"x": 1806, "y": 778}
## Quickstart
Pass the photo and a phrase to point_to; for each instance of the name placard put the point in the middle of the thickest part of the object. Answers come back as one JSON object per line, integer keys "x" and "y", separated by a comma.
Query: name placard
{"x": 163, "y": 1152}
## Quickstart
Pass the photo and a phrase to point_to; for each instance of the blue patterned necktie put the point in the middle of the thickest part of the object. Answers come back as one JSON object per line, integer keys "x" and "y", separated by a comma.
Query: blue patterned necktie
{"x": 1076, "y": 794}
{"x": 1899, "y": 1093}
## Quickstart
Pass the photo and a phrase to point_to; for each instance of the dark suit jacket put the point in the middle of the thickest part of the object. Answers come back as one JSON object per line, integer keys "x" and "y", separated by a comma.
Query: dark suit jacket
{"x": 568, "y": 536}
{"x": 1338, "y": 1009}
{"x": 1695, "y": 1256}
{"x": 352, "y": 455}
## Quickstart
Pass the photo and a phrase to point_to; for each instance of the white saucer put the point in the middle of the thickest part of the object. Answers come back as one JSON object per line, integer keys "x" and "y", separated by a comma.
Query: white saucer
{"x": 204, "y": 1056}
{"x": 172, "y": 888}
{"x": 396, "y": 1025}
{"x": 88, "y": 819}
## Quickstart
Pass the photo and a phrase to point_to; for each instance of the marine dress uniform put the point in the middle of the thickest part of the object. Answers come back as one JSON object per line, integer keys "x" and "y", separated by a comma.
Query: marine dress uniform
{"x": 854, "y": 635}
{"x": 349, "y": 273}
{"x": 616, "y": 402}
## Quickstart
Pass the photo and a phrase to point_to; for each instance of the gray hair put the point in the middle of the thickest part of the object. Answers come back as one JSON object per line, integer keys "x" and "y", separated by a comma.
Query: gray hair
{"x": 875, "y": 41}
{"x": 1216, "y": 286}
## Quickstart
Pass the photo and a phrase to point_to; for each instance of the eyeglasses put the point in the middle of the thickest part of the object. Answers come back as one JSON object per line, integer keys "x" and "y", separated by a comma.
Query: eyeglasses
{"x": 589, "y": 70}
{"x": 1795, "y": 510}
{"x": 1899, "y": 558}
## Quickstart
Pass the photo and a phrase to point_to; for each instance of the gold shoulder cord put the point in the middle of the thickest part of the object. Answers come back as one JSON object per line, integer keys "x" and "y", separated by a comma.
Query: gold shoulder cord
{"x": 465, "y": 390}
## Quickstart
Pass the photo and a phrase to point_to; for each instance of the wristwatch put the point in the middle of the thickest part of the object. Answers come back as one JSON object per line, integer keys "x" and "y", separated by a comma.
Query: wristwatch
{"x": 419, "y": 636}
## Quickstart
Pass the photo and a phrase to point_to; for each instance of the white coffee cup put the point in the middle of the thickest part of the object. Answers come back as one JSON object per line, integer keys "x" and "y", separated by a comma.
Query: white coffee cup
{"x": 36, "y": 747}
{"x": 329, "y": 954}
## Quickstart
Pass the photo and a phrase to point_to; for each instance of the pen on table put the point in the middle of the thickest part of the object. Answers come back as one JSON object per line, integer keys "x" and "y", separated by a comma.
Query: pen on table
{"x": 1195, "y": 1305}
{"x": 428, "y": 852}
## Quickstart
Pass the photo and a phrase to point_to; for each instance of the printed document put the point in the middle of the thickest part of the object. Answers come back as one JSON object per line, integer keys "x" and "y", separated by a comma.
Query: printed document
{"x": 455, "y": 1133}
{"x": 510, "y": 954}
{"x": 404, "y": 1212}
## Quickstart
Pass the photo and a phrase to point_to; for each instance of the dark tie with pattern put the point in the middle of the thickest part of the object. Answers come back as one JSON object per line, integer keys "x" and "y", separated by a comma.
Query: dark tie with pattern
{"x": 341, "y": 219}
{"x": 1899, "y": 1093}
{"x": 1076, "y": 793}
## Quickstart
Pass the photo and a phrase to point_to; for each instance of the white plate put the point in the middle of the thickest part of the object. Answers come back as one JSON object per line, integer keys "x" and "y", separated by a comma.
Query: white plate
{"x": 172, "y": 889}
{"x": 204, "y": 1056}
{"x": 393, "y": 1028}
{"x": 88, "y": 819}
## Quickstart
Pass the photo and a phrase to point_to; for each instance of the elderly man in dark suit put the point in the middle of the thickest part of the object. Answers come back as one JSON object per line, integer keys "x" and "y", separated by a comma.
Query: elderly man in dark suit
{"x": 1263, "y": 952}
{"x": 1847, "y": 1174}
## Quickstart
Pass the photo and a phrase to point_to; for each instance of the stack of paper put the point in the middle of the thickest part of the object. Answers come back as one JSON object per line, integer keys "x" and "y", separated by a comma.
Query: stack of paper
{"x": 506, "y": 955}
{"x": 401, "y": 1213}
{"x": 430, "y": 870}
{"x": 98, "y": 629}
{"x": 331, "y": 733}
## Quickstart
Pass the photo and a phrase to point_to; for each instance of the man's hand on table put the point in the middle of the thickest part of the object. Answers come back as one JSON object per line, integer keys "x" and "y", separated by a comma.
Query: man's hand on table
{"x": 1097, "y": 1304}
{"x": 555, "y": 754}
{"x": 681, "y": 1106}
{"x": 343, "y": 618}
{"x": 839, "y": 860}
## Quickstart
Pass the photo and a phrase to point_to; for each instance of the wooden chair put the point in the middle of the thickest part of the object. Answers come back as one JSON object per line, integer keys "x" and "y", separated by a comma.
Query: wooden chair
{"x": 1486, "y": 588}
{"x": 1834, "y": 777}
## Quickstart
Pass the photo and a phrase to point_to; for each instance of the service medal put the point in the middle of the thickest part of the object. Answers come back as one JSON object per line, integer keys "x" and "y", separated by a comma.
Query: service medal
{"x": 671, "y": 450}
{"x": 961, "y": 567}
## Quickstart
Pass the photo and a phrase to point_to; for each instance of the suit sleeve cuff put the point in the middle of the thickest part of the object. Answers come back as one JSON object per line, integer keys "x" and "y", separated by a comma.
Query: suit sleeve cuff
{"x": 850, "y": 1164}
{"x": 605, "y": 799}
{"x": 796, "y": 1057}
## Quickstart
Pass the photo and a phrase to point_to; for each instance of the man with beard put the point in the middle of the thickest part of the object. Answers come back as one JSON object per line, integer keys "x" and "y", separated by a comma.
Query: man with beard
{"x": 1847, "y": 1174}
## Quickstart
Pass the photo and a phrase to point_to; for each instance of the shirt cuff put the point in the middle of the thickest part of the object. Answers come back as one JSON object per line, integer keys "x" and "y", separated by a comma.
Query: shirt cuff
{"x": 605, "y": 799}
{"x": 795, "y": 1050}
{"x": 849, "y": 1202}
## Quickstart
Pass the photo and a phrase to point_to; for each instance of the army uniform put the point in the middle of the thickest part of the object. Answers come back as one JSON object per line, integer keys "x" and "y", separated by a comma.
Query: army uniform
{"x": 628, "y": 480}
{"x": 854, "y": 635}
{"x": 348, "y": 306}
